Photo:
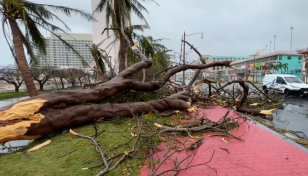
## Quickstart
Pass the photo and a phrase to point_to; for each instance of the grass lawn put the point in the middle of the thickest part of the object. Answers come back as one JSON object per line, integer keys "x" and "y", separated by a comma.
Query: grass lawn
{"x": 8, "y": 95}
{"x": 54, "y": 160}
{"x": 46, "y": 161}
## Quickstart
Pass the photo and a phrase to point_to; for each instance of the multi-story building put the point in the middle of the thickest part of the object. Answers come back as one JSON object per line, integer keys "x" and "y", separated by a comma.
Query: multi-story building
{"x": 250, "y": 68}
{"x": 59, "y": 55}
{"x": 220, "y": 72}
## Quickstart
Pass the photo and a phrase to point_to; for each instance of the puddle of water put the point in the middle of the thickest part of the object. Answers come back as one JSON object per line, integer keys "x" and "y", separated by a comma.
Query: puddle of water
{"x": 12, "y": 143}
{"x": 7, "y": 102}
{"x": 293, "y": 116}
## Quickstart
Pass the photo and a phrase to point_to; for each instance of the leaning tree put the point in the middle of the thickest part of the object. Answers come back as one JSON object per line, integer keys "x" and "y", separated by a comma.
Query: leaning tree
{"x": 32, "y": 16}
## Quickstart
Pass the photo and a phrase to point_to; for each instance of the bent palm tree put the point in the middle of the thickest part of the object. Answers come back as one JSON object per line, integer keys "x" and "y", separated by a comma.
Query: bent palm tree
{"x": 119, "y": 12}
{"x": 33, "y": 17}
{"x": 101, "y": 60}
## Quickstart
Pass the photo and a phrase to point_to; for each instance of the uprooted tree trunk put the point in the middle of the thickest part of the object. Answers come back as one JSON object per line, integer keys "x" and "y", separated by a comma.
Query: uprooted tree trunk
{"x": 47, "y": 113}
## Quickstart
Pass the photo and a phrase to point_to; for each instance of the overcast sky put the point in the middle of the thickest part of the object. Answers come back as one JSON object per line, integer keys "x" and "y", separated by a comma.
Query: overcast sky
{"x": 230, "y": 27}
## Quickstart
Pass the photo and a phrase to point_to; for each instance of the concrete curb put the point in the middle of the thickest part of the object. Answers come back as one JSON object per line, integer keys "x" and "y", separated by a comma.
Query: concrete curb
{"x": 277, "y": 134}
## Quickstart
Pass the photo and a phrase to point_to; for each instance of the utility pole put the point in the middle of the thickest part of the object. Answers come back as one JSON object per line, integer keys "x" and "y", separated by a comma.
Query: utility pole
{"x": 270, "y": 46}
{"x": 174, "y": 65}
{"x": 274, "y": 42}
{"x": 266, "y": 49}
{"x": 291, "y": 38}
{"x": 254, "y": 68}
{"x": 183, "y": 83}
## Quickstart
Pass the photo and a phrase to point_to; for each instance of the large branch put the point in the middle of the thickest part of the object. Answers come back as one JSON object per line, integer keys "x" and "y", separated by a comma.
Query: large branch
{"x": 240, "y": 107}
{"x": 25, "y": 120}
{"x": 155, "y": 85}
{"x": 192, "y": 47}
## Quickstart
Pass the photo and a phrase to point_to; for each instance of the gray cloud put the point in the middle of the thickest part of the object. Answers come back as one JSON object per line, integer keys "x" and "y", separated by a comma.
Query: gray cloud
{"x": 236, "y": 27}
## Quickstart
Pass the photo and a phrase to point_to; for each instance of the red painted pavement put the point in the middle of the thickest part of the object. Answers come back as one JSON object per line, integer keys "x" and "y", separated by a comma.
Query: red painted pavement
{"x": 262, "y": 153}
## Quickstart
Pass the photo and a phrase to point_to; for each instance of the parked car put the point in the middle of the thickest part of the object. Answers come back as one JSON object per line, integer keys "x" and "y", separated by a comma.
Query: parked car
{"x": 287, "y": 84}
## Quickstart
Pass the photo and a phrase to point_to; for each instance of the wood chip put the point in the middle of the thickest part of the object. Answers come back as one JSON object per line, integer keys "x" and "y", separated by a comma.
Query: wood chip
{"x": 40, "y": 146}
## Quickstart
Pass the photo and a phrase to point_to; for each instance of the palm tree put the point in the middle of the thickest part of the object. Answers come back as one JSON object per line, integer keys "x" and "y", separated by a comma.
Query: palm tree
{"x": 33, "y": 17}
{"x": 98, "y": 58}
{"x": 119, "y": 12}
{"x": 279, "y": 66}
{"x": 285, "y": 66}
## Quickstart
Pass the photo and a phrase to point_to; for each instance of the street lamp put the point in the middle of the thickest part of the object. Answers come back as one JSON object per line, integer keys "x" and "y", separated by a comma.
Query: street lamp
{"x": 274, "y": 42}
{"x": 183, "y": 83}
{"x": 266, "y": 49}
{"x": 291, "y": 38}
{"x": 270, "y": 46}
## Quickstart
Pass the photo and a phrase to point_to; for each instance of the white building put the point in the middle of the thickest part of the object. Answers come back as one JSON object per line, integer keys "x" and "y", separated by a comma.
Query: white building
{"x": 97, "y": 29}
{"x": 59, "y": 55}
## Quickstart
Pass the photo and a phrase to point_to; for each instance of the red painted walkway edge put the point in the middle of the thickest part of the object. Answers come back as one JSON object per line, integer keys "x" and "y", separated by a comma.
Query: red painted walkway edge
{"x": 263, "y": 153}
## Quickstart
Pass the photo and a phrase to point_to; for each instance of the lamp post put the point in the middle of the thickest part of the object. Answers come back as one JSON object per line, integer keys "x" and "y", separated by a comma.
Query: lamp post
{"x": 274, "y": 42}
{"x": 291, "y": 38}
{"x": 266, "y": 49}
{"x": 183, "y": 83}
{"x": 270, "y": 46}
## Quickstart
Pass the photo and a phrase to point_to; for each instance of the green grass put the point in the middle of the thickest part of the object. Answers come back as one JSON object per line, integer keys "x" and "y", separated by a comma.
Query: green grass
{"x": 46, "y": 161}
{"x": 8, "y": 95}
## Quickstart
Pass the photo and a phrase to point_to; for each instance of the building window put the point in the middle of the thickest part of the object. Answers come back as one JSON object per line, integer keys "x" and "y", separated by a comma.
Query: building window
{"x": 280, "y": 57}
{"x": 289, "y": 57}
{"x": 299, "y": 58}
{"x": 213, "y": 68}
{"x": 222, "y": 67}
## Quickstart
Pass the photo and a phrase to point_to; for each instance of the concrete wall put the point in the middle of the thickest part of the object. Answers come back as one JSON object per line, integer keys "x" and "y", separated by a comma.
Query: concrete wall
{"x": 294, "y": 65}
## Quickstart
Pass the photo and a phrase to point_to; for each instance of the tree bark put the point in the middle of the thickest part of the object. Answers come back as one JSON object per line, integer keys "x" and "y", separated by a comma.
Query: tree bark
{"x": 21, "y": 59}
{"x": 122, "y": 51}
{"x": 16, "y": 88}
{"x": 41, "y": 85}
{"x": 62, "y": 83}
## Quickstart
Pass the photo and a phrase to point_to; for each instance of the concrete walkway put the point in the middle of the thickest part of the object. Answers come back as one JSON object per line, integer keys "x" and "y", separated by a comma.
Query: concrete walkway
{"x": 263, "y": 153}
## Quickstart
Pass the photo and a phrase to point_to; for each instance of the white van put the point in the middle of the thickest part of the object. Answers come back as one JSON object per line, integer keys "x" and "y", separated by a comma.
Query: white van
{"x": 287, "y": 84}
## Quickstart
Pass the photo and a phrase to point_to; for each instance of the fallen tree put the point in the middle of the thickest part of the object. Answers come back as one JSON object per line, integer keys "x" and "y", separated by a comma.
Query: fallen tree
{"x": 47, "y": 113}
